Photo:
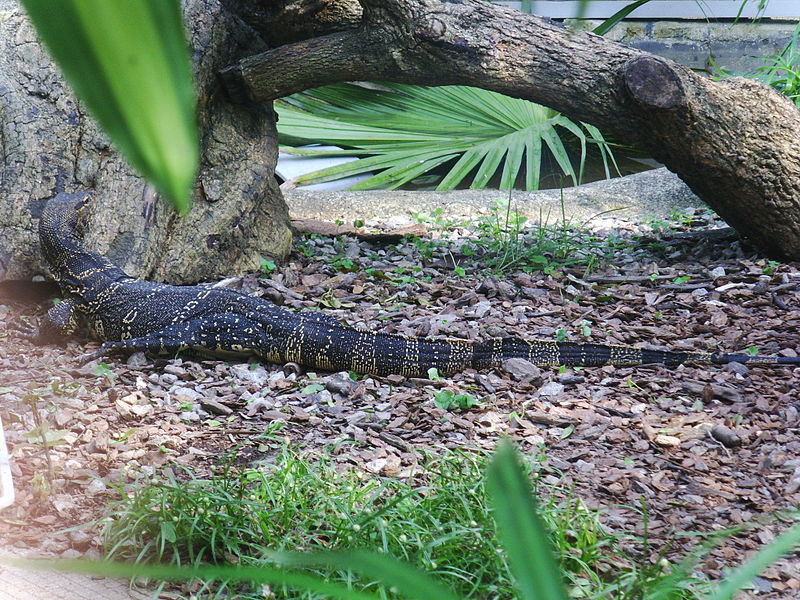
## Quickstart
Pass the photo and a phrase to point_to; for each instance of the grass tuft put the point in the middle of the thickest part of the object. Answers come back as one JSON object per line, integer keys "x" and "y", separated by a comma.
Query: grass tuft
{"x": 438, "y": 521}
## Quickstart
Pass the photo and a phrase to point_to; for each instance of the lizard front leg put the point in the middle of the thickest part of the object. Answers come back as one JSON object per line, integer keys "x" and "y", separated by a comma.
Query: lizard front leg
{"x": 222, "y": 334}
{"x": 59, "y": 322}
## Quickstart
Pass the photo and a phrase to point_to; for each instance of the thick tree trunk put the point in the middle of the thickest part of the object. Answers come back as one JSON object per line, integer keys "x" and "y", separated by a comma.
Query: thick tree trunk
{"x": 735, "y": 142}
{"x": 280, "y": 22}
{"x": 49, "y": 145}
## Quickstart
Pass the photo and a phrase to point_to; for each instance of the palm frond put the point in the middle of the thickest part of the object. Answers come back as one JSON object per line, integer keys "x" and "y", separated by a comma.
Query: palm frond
{"x": 404, "y": 131}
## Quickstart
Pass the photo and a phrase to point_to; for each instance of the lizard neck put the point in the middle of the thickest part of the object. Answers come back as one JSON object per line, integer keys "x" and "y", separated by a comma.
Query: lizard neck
{"x": 77, "y": 270}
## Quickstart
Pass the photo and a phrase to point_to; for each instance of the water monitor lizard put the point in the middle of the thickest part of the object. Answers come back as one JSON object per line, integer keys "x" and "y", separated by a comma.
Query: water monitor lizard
{"x": 128, "y": 314}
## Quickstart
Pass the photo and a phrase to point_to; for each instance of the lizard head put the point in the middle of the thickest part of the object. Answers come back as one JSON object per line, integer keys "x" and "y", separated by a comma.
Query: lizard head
{"x": 60, "y": 221}
{"x": 65, "y": 212}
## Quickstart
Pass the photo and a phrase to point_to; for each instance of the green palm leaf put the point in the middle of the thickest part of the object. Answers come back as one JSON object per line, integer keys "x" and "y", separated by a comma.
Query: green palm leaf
{"x": 128, "y": 62}
{"x": 405, "y": 131}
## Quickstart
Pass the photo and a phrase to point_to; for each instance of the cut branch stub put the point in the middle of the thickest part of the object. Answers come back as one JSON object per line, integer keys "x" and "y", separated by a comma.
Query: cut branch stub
{"x": 653, "y": 82}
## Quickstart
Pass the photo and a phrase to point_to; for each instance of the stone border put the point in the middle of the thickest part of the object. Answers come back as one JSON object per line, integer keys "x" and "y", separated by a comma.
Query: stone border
{"x": 642, "y": 196}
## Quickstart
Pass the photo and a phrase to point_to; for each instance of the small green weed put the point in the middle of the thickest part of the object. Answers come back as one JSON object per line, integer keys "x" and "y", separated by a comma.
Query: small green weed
{"x": 441, "y": 523}
{"x": 268, "y": 266}
{"x": 448, "y": 400}
{"x": 438, "y": 222}
{"x": 782, "y": 70}
{"x": 433, "y": 374}
{"x": 772, "y": 266}
{"x": 504, "y": 243}
{"x": 342, "y": 263}
{"x": 103, "y": 370}
{"x": 532, "y": 557}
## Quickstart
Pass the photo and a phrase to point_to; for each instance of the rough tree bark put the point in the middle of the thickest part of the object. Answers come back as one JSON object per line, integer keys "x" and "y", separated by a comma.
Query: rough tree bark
{"x": 734, "y": 142}
{"x": 48, "y": 145}
{"x": 280, "y": 22}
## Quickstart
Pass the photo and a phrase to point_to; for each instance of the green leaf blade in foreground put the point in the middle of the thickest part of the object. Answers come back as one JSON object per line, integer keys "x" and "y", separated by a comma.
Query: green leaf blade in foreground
{"x": 128, "y": 63}
{"x": 769, "y": 554}
{"x": 270, "y": 575}
{"x": 407, "y": 580}
{"x": 520, "y": 529}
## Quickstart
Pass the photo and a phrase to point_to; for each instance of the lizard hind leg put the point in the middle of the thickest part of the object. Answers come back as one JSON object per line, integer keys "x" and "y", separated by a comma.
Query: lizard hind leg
{"x": 217, "y": 334}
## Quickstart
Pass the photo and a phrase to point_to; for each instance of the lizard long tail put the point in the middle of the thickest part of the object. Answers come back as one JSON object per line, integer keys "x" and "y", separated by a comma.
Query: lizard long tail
{"x": 547, "y": 353}
{"x": 380, "y": 354}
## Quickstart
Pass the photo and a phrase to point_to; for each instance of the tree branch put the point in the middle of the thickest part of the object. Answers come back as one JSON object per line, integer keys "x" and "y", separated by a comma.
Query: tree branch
{"x": 733, "y": 142}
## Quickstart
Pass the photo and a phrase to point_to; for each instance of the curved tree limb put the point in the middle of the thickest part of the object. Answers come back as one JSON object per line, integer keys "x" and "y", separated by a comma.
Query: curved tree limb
{"x": 733, "y": 142}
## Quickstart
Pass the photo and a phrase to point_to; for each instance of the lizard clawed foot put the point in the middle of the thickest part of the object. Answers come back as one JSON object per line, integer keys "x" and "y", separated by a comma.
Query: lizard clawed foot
{"x": 101, "y": 352}
{"x": 20, "y": 328}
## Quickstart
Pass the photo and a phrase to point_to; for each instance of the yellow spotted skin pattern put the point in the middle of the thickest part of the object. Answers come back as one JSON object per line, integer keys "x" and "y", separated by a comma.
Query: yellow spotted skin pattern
{"x": 128, "y": 314}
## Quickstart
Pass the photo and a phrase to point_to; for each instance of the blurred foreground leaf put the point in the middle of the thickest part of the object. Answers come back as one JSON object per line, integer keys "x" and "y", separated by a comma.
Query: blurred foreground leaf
{"x": 520, "y": 528}
{"x": 128, "y": 63}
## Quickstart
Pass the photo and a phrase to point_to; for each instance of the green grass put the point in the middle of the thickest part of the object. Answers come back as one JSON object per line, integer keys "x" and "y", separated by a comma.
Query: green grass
{"x": 502, "y": 242}
{"x": 781, "y": 70}
{"x": 499, "y": 243}
{"x": 439, "y": 522}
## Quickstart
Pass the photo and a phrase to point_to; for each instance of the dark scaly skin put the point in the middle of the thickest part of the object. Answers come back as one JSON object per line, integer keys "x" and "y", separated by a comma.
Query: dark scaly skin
{"x": 128, "y": 314}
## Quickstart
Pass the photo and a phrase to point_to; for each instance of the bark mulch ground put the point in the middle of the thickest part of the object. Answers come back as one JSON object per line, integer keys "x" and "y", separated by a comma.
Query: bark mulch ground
{"x": 703, "y": 448}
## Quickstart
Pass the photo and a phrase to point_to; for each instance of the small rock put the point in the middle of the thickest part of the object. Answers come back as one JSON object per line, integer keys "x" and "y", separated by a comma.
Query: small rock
{"x": 257, "y": 375}
{"x": 259, "y": 404}
{"x": 168, "y": 378}
{"x": 299, "y": 414}
{"x": 376, "y": 465}
{"x": 184, "y": 394}
{"x": 738, "y": 368}
{"x": 571, "y": 379}
{"x": 353, "y": 250}
{"x": 485, "y": 382}
{"x": 274, "y": 415}
{"x": 123, "y": 407}
{"x": 395, "y": 379}
{"x": 340, "y": 384}
{"x": 141, "y": 410}
{"x": 700, "y": 292}
{"x": 667, "y": 440}
{"x": 213, "y": 406}
{"x": 95, "y": 487}
{"x": 137, "y": 359}
{"x": 551, "y": 388}
{"x": 794, "y": 481}
{"x": 80, "y": 540}
{"x": 522, "y": 369}
{"x": 324, "y": 398}
{"x": 481, "y": 309}
{"x": 357, "y": 417}
{"x": 175, "y": 368}
{"x": 762, "y": 585}
{"x": 725, "y": 436}
{"x": 717, "y": 273}
{"x": 190, "y": 415}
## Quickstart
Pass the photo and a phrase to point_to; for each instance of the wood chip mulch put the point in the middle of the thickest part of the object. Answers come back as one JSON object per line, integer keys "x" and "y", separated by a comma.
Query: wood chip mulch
{"x": 703, "y": 448}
